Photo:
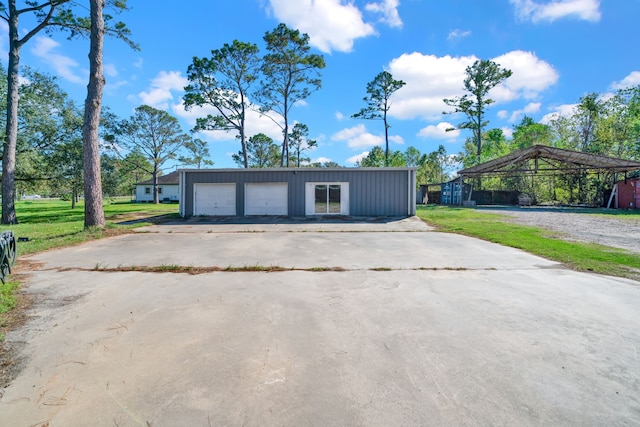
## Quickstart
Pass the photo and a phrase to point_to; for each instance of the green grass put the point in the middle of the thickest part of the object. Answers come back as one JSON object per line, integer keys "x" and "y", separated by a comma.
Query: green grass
{"x": 7, "y": 299}
{"x": 52, "y": 223}
{"x": 7, "y": 302}
{"x": 496, "y": 228}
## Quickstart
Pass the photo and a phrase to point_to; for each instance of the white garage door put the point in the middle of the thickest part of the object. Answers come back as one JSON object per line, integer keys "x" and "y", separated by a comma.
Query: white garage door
{"x": 214, "y": 199}
{"x": 266, "y": 198}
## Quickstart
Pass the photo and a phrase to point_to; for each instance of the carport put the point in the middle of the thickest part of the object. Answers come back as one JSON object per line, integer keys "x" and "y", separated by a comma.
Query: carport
{"x": 541, "y": 159}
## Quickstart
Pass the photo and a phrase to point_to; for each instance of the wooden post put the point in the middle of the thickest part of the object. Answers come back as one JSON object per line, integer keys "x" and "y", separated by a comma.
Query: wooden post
{"x": 614, "y": 193}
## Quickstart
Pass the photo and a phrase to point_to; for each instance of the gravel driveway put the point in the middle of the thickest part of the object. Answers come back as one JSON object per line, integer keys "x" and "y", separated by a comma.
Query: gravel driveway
{"x": 580, "y": 225}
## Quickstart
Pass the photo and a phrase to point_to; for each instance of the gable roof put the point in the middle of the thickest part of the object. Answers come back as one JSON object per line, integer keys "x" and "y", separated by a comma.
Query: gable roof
{"x": 168, "y": 179}
{"x": 549, "y": 159}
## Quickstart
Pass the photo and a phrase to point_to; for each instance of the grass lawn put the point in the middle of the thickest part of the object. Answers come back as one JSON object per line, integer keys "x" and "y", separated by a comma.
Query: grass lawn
{"x": 52, "y": 223}
{"x": 495, "y": 228}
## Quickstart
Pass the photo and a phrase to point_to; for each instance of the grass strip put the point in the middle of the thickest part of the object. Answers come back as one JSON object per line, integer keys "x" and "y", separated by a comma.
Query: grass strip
{"x": 49, "y": 224}
{"x": 497, "y": 228}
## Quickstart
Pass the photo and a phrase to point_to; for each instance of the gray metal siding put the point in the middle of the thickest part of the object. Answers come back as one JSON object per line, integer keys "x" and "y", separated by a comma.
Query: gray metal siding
{"x": 372, "y": 192}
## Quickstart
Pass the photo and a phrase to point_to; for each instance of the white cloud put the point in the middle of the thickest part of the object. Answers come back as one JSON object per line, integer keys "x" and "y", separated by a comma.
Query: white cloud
{"x": 531, "y": 108}
{"x": 339, "y": 116}
{"x": 633, "y": 79}
{"x": 587, "y": 10}
{"x": 564, "y": 110}
{"x": 255, "y": 123}
{"x": 321, "y": 160}
{"x": 110, "y": 70}
{"x": 507, "y": 132}
{"x": 397, "y": 139}
{"x": 139, "y": 62}
{"x": 503, "y": 114}
{"x": 64, "y": 66}
{"x": 439, "y": 131}
{"x": 357, "y": 158}
{"x": 358, "y": 137}
{"x": 111, "y": 87}
{"x": 457, "y": 34}
{"x": 429, "y": 79}
{"x": 4, "y": 41}
{"x": 531, "y": 75}
{"x": 161, "y": 89}
{"x": 389, "y": 11}
{"x": 330, "y": 24}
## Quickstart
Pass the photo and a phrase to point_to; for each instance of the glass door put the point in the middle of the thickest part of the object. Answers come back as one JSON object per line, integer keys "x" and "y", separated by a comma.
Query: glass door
{"x": 326, "y": 198}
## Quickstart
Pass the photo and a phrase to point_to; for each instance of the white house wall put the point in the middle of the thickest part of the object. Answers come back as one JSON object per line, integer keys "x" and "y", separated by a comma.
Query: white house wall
{"x": 170, "y": 191}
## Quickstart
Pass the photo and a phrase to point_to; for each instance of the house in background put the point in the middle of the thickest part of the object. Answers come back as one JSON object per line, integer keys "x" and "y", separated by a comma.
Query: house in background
{"x": 168, "y": 189}
{"x": 298, "y": 192}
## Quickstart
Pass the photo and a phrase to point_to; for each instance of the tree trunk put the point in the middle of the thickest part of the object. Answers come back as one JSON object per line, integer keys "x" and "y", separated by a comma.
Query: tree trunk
{"x": 243, "y": 138}
{"x": 156, "y": 199}
{"x": 11, "y": 135}
{"x": 243, "y": 141}
{"x": 386, "y": 141}
{"x": 93, "y": 210}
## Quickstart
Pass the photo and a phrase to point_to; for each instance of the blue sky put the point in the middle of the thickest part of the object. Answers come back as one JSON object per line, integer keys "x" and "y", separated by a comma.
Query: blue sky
{"x": 558, "y": 50}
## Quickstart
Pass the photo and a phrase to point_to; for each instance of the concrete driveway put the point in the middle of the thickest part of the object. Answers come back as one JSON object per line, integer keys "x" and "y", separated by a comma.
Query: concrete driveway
{"x": 416, "y": 328}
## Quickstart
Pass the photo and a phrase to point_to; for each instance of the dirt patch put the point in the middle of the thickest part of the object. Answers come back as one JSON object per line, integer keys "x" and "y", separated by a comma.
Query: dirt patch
{"x": 136, "y": 217}
{"x": 579, "y": 225}
{"x": 10, "y": 360}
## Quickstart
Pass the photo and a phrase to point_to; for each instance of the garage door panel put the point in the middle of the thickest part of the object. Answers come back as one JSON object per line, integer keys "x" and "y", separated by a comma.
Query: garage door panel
{"x": 215, "y": 199}
{"x": 266, "y": 198}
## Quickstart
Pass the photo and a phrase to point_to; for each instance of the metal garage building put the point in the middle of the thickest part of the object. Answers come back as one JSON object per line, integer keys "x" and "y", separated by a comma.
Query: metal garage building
{"x": 297, "y": 192}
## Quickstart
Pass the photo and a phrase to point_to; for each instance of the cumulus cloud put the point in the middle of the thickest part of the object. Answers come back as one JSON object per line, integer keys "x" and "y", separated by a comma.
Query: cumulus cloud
{"x": 255, "y": 123}
{"x": 339, "y": 116}
{"x": 66, "y": 67}
{"x": 429, "y": 79}
{"x": 161, "y": 89}
{"x": 397, "y": 139}
{"x": 457, "y": 34}
{"x": 564, "y": 110}
{"x": 535, "y": 11}
{"x": 389, "y": 11}
{"x": 358, "y": 137}
{"x": 321, "y": 160}
{"x": 507, "y": 132}
{"x": 633, "y": 79}
{"x": 330, "y": 24}
{"x": 531, "y": 108}
{"x": 531, "y": 75}
{"x": 357, "y": 158}
{"x": 439, "y": 131}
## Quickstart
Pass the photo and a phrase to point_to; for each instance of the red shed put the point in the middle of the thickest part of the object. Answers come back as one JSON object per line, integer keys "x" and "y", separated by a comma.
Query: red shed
{"x": 629, "y": 193}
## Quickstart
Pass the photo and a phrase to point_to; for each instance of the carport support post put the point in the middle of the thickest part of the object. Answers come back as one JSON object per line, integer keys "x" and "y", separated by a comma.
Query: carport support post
{"x": 614, "y": 193}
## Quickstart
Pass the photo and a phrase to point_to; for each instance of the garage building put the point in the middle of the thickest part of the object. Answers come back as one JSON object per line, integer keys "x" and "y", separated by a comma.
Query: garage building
{"x": 298, "y": 192}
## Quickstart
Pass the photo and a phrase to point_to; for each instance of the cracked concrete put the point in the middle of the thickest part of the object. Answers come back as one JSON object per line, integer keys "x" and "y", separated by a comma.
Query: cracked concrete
{"x": 489, "y": 335}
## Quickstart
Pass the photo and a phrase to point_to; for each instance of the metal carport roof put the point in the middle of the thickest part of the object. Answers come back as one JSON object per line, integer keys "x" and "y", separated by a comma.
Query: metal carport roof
{"x": 549, "y": 159}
